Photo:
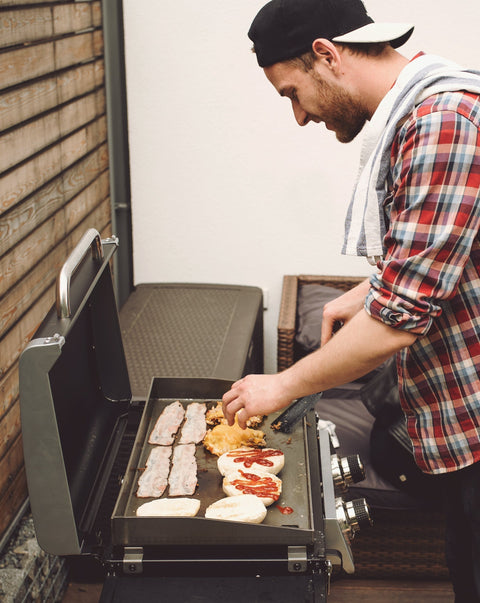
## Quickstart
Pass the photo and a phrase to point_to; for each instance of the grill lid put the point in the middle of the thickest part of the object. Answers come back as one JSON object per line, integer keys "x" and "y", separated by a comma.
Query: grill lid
{"x": 74, "y": 388}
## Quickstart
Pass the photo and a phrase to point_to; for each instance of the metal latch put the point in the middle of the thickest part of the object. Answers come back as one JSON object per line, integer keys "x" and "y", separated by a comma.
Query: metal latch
{"x": 133, "y": 560}
{"x": 297, "y": 559}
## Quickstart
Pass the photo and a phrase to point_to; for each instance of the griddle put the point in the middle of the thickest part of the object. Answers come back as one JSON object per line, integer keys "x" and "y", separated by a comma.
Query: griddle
{"x": 277, "y": 528}
{"x": 85, "y": 443}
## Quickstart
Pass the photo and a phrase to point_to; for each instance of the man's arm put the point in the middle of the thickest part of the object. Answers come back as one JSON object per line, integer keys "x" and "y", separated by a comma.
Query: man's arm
{"x": 360, "y": 346}
{"x": 343, "y": 308}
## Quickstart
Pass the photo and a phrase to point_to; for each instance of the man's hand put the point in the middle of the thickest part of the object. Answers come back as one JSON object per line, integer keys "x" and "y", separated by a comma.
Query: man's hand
{"x": 253, "y": 395}
{"x": 342, "y": 309}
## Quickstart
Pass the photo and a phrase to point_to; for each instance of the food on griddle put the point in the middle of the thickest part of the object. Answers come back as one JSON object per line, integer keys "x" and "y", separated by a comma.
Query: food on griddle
{"x": 247, "y": 508}
{"x": 267, "y": 459}
{"x": 266, "y": 486}
{"x": 223, "y": 438}
{"x": 167, "y": 425}
{"x": 153, "y": 481}
{"x": 182, "y": 480}
{"x": 169, "y": 507}
{"x": 215, "y": 417}
{"x": 195, "y": 426}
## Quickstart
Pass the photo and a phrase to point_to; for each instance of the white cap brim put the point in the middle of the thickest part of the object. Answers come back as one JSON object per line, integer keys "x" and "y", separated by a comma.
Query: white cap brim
{"x": 378, "y": 32}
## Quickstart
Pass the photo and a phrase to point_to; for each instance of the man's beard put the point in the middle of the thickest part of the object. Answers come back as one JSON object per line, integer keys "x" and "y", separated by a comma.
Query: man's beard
{"x": 344, "y": 114}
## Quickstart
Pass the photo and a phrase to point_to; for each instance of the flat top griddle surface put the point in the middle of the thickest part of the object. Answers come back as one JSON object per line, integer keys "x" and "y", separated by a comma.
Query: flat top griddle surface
{"x": 277, "y": 528}
{"x": 209, "y": 489}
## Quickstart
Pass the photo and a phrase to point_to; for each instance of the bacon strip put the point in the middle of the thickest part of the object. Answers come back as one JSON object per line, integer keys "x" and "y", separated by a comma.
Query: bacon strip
{"x": 154, "y": 479}
{"x": 167, "y": 425}
{"x": 195, "y": 426}
{"x": 183, "y": 476}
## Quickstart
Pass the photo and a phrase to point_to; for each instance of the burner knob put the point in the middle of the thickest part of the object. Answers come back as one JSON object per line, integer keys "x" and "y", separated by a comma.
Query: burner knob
{"x": 358, "y": 514}
{"x": 346, "y": 471}
{"x": 353, "y": 515}
{"x": 353, "y": 469}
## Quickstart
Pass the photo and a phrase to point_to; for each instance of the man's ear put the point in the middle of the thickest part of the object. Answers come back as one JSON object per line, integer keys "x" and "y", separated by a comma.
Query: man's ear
{"x": 327, "y": 52}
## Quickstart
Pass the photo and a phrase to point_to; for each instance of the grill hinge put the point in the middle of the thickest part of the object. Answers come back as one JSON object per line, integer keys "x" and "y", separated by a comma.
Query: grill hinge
{"x": 297, "y": 559}
{"x": 133, "y": 560}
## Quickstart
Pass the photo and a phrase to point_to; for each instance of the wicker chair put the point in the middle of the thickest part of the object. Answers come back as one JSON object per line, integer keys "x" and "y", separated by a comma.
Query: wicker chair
{"x": 402, "y": 543}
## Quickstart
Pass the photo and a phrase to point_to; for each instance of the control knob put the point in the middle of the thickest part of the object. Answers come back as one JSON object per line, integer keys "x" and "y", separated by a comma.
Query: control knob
{"x": 352, "y": 515}
{"x": 346, "y": 471}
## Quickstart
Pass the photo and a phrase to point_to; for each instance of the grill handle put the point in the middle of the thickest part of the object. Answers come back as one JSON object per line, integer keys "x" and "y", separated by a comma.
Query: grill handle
{"x": 91, "y": 239}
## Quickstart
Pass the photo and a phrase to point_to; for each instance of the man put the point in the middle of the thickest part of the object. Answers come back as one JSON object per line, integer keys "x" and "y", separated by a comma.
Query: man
{"x": 415, "y": 213}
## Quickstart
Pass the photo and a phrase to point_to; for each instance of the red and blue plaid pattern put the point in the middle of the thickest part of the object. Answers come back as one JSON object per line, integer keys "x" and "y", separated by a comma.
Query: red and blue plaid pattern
{"x": 429, "y": 282}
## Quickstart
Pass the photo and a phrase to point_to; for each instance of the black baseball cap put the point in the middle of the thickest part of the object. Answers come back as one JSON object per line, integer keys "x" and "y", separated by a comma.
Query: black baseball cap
{"x": 285, "y": 29}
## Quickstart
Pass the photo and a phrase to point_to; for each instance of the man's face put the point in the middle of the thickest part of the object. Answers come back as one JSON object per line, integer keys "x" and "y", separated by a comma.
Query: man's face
{"x": 319, "y": 99}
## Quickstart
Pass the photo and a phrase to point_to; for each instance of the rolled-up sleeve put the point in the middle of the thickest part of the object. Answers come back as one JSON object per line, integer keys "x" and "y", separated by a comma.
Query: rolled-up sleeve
{"x": 433, "y": 212}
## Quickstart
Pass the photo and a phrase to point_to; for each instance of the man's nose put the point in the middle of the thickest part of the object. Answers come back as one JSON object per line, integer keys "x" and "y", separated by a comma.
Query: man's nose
{"x": 301, "y": 116}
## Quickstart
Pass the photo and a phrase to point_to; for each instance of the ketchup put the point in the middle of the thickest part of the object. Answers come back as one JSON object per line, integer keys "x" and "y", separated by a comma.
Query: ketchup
{"x": 284, "y": 510}
{"x": 249, "y": 457}
{"x": 259, "y": 485}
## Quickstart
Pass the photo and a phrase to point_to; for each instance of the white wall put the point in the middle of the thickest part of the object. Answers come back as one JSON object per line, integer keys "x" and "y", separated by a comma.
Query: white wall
{"x": 226, "y": 188}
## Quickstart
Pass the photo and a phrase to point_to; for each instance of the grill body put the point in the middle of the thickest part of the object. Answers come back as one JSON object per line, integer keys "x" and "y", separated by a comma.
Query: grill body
{"x": 84, "y": 442}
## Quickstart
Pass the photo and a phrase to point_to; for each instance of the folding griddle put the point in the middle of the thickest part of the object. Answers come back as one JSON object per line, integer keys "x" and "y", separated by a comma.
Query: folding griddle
{"x": 85, "y": 445}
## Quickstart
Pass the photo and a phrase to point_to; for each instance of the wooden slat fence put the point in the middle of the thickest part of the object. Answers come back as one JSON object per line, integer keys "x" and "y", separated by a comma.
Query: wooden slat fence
{"x": 54, "y": 182}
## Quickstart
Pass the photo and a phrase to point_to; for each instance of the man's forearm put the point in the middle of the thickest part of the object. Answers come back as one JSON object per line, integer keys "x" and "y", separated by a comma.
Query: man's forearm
{"x": 361, "y": 345}
{"x": 358, "y": 347}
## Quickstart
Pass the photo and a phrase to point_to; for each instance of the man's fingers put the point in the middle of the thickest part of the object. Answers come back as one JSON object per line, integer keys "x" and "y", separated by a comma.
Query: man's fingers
{"x": 230, "y": 409}
{"x": 327, "y": 329}
{"x": 242, "y": 417}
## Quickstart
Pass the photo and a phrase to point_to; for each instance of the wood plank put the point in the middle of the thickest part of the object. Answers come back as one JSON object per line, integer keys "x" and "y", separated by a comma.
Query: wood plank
{"x": 18, "y": 261}
{"x": 99, "y": 72}
{"x": 36, "y": 97}
{"x": 28, "y": 215}
{"x": 97, "y": 14}
{"x": 15, "y": 303}
{"x": 8, "y": 389}
{"x": 393, "y": 591}
{"x": 11, "y": 463}
{"x": 100, "y": 219}
{"x": 24, "y": 180}
{"x": 19, "y": 144}
{"x": 17, "y": 338}
{"x": 22, "y": 142}
{"x": 10, "y": 430}
{"x": 84, "y": 203}
{"x": 23, "y": 2}
{"x": 25, "y": 25}
{"x": 77, "y": 81}
{"x": 13, "y": 499}
{"x": 23, "y": 103}
{"x": 98, "y": 43}
{"x": 78, "y": 112}
{"x": 82, "y": 173}
{"x": 80, "y": 143}
{"x": 20, "y": 65}
{"x": 72, "y": 17}
{"x": 86, "y": 214}
{"x": 73, "y": 50}
{"x": 23, "y": 64}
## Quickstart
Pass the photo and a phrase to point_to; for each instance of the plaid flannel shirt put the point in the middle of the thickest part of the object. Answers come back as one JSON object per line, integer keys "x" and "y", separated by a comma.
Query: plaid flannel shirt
{"x": 429, "y": 281}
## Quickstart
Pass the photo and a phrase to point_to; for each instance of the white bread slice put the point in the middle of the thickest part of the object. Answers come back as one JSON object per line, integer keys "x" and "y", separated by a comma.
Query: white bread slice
{"x": 169, "y": 507}
{"x": 263, "y": 484}
{"x": 247, "y": 508}
{"x": 265, "y": 459}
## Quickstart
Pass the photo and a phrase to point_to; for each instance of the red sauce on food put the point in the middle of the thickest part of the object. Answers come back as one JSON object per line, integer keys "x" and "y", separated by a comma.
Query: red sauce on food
{"x": 259, "y": 485}
{"x": 249, "y": 457}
